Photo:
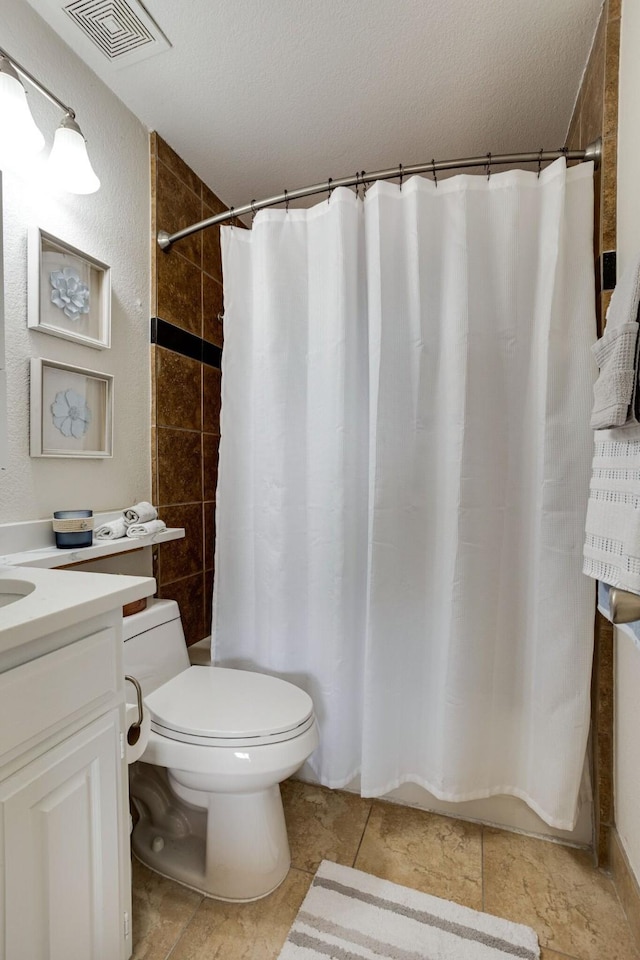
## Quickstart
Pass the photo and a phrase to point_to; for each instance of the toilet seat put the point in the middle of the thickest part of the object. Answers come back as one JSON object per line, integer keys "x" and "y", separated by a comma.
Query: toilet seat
{"x": 219, "y": 707}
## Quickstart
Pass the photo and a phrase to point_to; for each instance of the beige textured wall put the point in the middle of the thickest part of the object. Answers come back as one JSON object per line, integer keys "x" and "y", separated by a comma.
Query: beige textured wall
{"x": 112, "y": 225}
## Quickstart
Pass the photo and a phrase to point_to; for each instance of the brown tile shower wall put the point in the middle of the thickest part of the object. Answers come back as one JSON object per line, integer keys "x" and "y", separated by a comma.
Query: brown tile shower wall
{"x": 596, "y": 114}
{"x": 187, "y": 293}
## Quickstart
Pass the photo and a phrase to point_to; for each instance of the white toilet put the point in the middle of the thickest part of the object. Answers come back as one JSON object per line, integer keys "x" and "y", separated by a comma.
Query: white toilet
{"x": 207, "y": 786}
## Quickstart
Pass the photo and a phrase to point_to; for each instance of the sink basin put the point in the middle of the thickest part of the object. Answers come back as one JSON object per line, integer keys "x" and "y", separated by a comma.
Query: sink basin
{"x": 12, "y": 590}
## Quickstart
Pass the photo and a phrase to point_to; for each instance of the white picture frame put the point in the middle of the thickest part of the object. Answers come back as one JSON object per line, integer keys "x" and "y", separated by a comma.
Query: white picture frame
{"x": 71, "y": 411}
{"x": 69, "y": 292}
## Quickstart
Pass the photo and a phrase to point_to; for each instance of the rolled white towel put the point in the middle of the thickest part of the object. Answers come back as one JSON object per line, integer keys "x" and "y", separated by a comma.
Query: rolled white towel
{"x": 137, "y": 530}
{"x": 142, "y": 512}
{"x": 114, "y": 530}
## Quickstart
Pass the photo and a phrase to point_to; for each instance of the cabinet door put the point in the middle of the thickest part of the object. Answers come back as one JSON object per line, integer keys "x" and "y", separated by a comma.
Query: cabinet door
{"x": 60, "y": 820}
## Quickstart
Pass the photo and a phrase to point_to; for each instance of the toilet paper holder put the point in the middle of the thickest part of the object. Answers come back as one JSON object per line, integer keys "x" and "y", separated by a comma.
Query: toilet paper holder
{"x": 133, "y": 733}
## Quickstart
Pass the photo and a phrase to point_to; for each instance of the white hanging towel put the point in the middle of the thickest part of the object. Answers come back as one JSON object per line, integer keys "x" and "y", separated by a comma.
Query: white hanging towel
{"x": 612, "y": 535}
{"x": 617, "y": 354}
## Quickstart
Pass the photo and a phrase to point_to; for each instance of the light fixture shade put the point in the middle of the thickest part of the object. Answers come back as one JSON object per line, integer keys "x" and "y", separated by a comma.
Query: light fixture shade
{"x": 69, "y": 165}
{"x": 20, "y": 138}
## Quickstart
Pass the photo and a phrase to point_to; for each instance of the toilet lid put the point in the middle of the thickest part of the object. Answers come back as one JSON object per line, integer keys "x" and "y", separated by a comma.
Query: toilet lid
{"x": 218, "y": 704}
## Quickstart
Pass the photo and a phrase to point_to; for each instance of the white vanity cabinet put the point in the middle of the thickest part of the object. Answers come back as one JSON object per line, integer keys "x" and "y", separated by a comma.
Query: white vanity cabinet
{"x": 61, "y": 829}
{"x": 65, "y": 887}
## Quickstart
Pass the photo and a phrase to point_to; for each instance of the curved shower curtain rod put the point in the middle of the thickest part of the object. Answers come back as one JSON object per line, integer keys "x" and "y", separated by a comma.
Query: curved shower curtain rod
{"x": 592, "y": 152}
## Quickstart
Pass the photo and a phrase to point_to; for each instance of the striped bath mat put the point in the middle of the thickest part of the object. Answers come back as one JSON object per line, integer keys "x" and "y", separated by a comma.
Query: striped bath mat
{"x": 349, "y": 915}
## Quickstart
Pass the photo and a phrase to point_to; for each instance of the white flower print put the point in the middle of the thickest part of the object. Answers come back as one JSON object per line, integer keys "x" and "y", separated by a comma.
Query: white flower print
{"x": 69, "y": 293}
{"x": 71, "y": 415}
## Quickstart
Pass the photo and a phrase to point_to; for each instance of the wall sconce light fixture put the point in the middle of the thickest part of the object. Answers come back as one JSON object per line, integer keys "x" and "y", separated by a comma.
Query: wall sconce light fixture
{"x": 20, "y": 138}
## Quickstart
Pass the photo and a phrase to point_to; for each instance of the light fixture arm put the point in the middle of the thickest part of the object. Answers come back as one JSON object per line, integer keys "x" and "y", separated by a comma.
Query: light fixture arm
{"x": 36, "y": 83}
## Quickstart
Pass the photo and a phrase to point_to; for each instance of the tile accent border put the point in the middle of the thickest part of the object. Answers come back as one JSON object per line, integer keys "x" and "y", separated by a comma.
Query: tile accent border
{"x": 626, "y": 884}
{"x": 608, "y": 269}
{"x": 171, "y": 337}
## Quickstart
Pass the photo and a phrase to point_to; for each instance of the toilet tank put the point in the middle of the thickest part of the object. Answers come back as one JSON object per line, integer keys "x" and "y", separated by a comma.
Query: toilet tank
{"x": 154, "y": 646}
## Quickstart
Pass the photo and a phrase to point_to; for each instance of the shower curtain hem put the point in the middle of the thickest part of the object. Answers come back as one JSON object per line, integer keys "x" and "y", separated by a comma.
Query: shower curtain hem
{"x": 450, "y": 797}
{"x": 336, "y": 784}
{"x": 486, "y": 794}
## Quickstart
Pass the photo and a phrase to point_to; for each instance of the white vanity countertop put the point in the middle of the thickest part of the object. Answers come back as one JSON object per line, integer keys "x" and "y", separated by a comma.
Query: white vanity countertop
{"x": 61, "y": 599}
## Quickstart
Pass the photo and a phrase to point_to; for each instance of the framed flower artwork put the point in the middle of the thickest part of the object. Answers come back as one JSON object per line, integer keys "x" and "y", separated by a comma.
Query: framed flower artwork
{"x": 71, "y": 411}
{"x": 69, "y": 292}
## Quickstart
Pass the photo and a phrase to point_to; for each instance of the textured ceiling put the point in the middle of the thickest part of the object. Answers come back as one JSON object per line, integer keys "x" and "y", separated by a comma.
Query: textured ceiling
{"x": 259, "y": 96}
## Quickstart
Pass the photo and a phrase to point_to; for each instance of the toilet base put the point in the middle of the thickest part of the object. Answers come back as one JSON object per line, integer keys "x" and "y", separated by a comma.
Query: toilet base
{"x": 235, "y": 850}
{"x": 205, "y": 893}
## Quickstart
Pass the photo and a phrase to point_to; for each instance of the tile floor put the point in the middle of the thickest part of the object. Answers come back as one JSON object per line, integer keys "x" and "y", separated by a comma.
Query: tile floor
{"x": 572, "y": 906}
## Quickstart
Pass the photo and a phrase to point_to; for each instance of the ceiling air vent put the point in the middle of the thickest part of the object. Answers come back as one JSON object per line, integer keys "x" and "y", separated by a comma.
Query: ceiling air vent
{"x": 121, "y": 30}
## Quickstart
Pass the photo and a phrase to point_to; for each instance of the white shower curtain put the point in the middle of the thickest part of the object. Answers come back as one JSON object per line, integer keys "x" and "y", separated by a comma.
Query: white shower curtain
{"x": 404, "y": 469}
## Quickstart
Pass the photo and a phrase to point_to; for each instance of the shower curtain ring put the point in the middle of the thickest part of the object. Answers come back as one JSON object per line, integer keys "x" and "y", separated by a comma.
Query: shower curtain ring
{"x": 401, "y": 176}
{"x": 540, "y": 162}
{"x": 230, "y": 212}
{"x": 357, "y": 185}
{"x": 488, "y": 166}
{"x": 433, "y": 170}
{"x": 365, "y": 185}
{"x": 253, "y": 210}
{"x": 329, "y": 188}
{"x": 286, "y": 202}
